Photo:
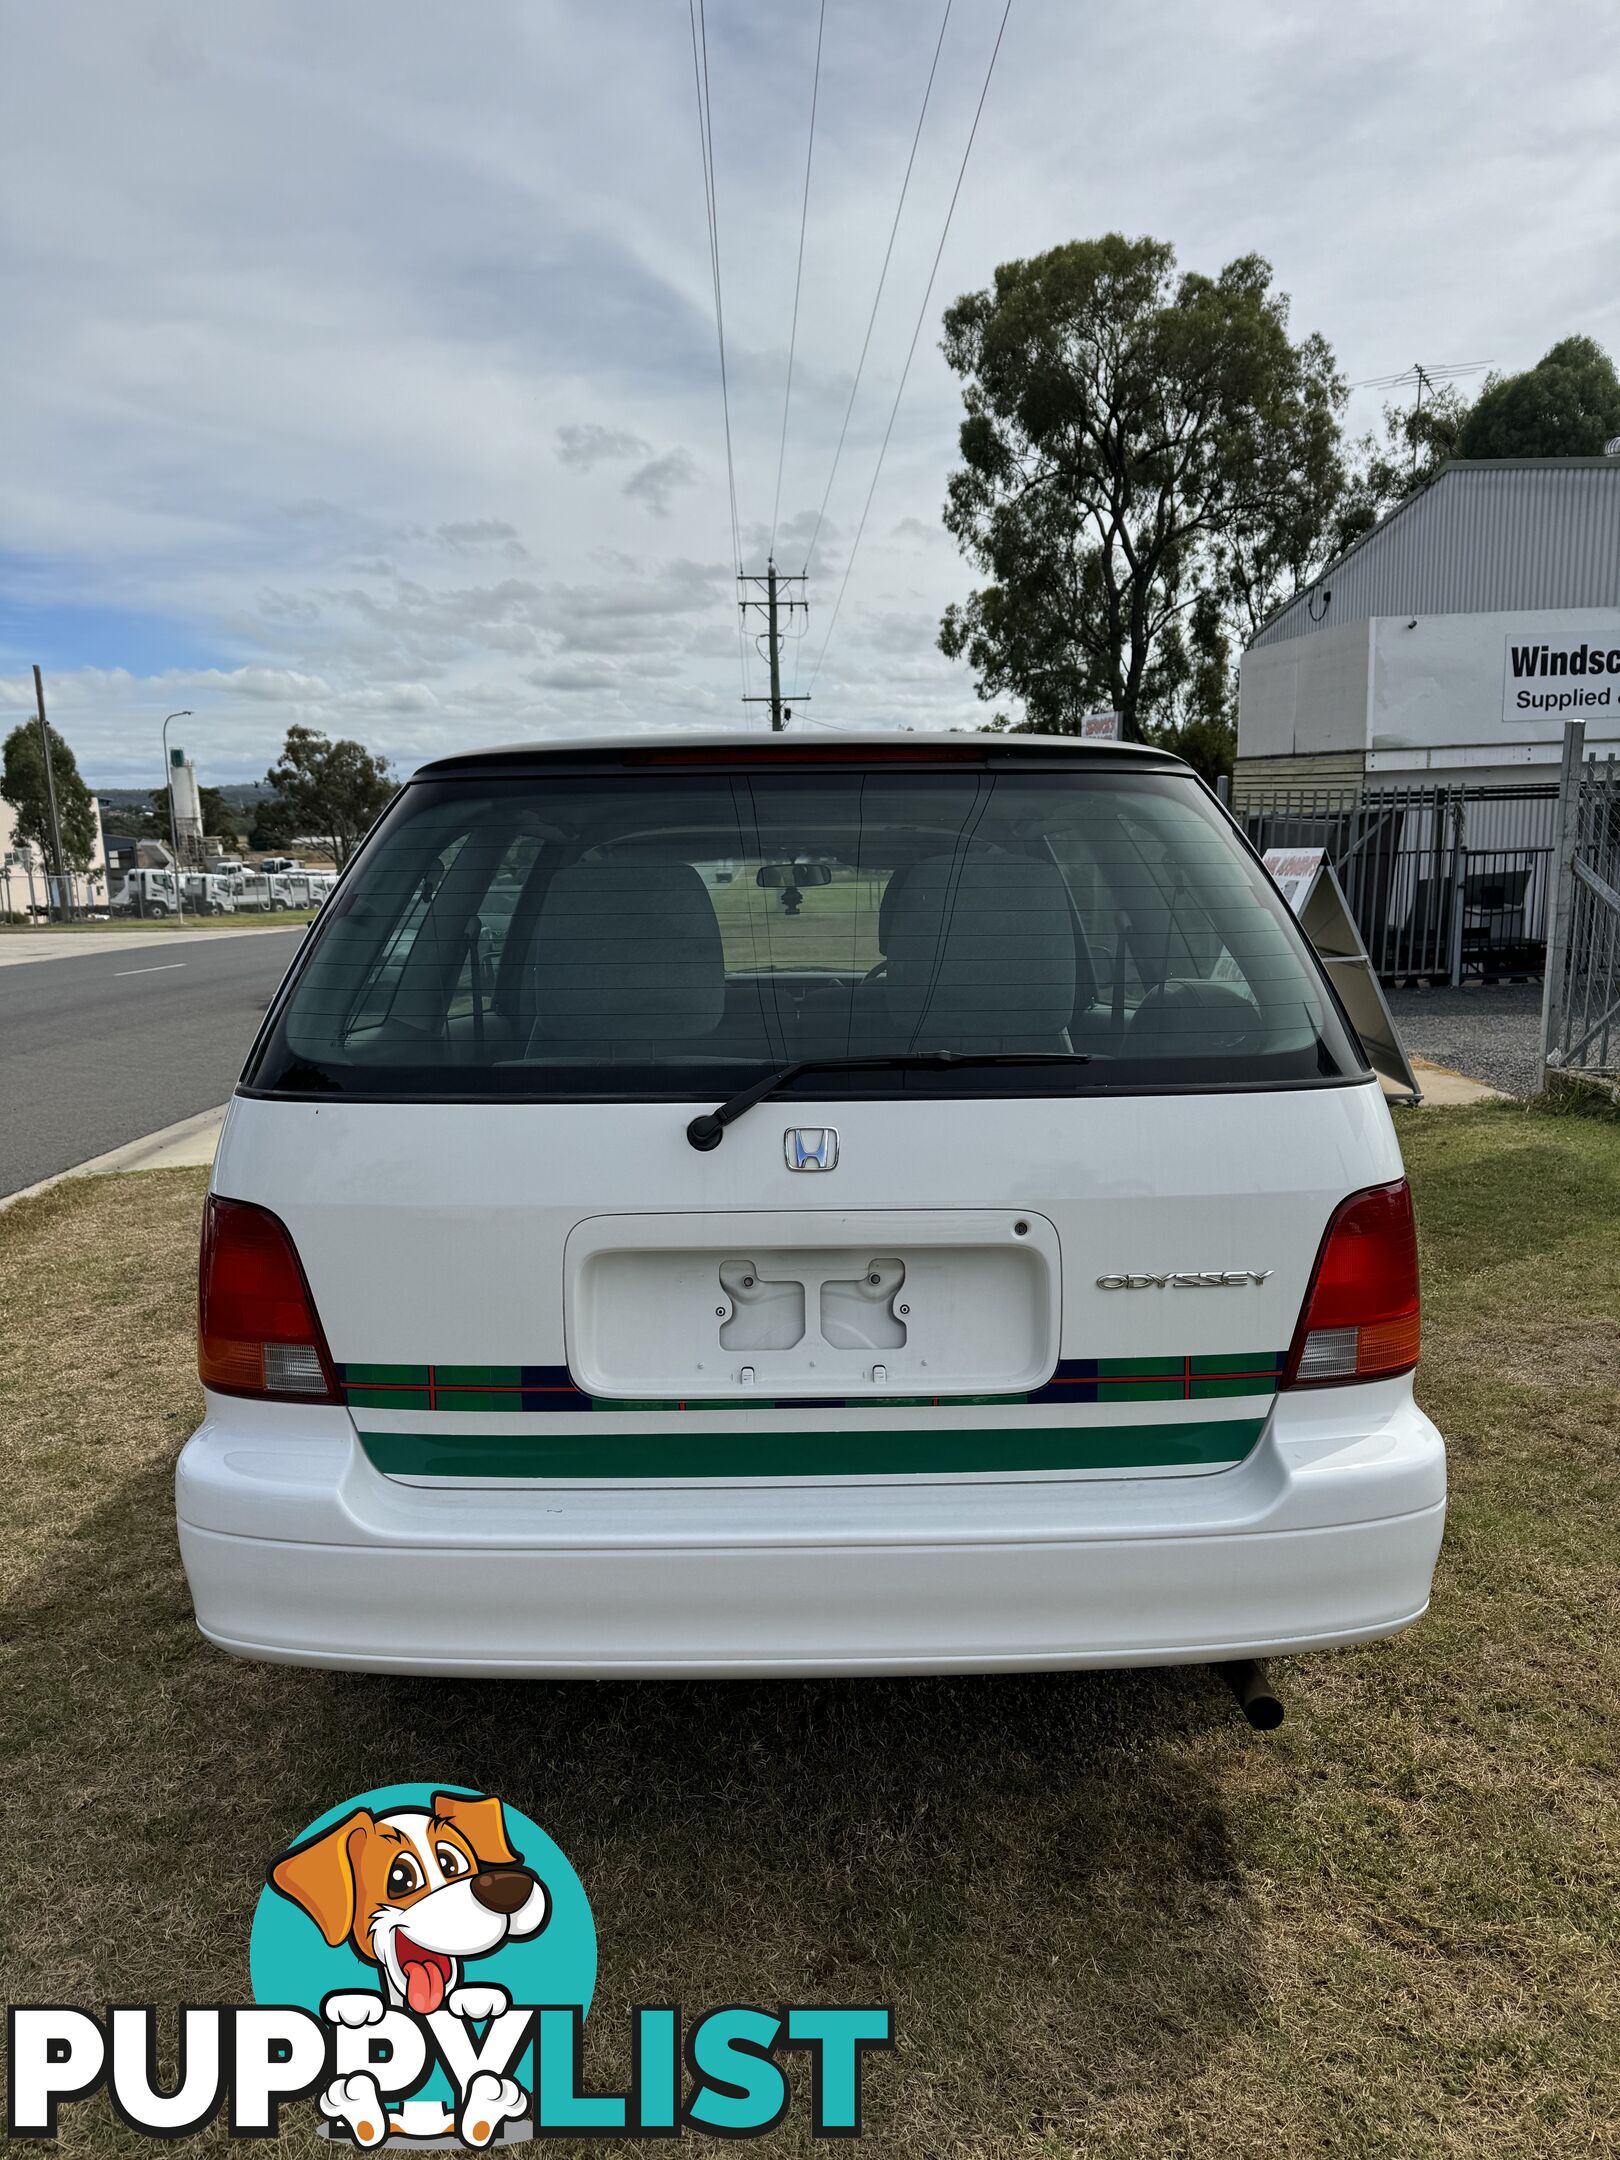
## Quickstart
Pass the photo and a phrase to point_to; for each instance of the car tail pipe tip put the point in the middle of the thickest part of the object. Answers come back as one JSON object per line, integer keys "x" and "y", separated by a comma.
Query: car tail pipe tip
{"x": 1256, "y": 1697}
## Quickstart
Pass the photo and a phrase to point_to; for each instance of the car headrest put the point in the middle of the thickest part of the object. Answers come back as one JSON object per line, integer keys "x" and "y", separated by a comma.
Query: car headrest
{"x": 889, "y": 902}
{"x": 627, "y": 952}
{"x": 981, "y": 955}
{"x": 1190, "y": 1015}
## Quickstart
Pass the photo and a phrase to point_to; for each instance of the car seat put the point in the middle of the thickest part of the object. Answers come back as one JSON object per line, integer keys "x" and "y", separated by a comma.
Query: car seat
{"x": 626, "y": 956}
{"x": 981, "y": 956}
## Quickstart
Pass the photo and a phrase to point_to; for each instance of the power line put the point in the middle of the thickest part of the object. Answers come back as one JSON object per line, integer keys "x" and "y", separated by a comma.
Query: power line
{"x": 700, "y": 78}
{"x": 871, "y": 320}
{"x": 706, "y": 127}
{"x": 798, "y": 275}
{"x": 912, "y": 348}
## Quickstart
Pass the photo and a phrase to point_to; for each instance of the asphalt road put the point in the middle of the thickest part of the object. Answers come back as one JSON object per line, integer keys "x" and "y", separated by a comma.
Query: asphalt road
{"x": 99, "y": 1050}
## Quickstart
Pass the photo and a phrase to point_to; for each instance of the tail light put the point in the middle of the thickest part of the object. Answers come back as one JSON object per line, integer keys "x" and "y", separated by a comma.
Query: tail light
{"x": 1360, "y": 1320}
{"x": 257, "y": 1333}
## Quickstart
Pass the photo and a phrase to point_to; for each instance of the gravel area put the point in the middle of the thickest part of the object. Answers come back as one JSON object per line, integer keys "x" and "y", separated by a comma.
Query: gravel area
{"x": 1487, "y": 1031}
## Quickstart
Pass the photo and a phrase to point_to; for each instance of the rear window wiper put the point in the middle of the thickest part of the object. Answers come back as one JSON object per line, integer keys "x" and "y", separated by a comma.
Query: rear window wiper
{"x": 709, "y": 1130}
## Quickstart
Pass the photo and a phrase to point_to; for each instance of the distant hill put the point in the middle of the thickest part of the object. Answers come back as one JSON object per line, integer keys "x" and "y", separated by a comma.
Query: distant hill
{"x": 241, "y": 794}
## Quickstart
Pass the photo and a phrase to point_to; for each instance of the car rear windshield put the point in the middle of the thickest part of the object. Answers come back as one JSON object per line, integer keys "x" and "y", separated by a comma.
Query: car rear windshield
{"x": 670, "y": 935}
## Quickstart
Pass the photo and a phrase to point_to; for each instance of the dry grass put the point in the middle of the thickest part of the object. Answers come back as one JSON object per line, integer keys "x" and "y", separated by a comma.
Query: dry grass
{"x": 1113, "y": 1922}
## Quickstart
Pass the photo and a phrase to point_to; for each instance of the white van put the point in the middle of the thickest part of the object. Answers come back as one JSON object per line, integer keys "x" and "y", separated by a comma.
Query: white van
{"x": 998, "y": 1258}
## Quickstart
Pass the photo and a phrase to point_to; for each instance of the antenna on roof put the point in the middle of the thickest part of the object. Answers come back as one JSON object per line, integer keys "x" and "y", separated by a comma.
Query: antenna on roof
{"x": 1425, "y": 378}
{"x": 1446, "y": 371}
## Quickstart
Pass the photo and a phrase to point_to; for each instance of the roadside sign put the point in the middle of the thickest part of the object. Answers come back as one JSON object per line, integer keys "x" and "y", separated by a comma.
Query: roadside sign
{"x": 1306, "y": 880}
{"x": 1100, "y": 727}
{"x": 1295, "y": 870}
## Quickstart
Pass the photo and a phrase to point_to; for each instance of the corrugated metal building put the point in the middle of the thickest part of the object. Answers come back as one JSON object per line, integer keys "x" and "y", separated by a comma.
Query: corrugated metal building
{"x": 1454, "y": 640}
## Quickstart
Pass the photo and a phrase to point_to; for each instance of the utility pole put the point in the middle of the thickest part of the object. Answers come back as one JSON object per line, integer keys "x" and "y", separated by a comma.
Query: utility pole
{"x": 778, "y": 594}
{"x": 50, "y": 797}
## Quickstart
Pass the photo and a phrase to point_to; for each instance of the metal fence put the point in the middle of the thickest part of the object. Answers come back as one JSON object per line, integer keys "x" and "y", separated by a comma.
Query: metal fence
{"x": 1445, "y": 881}
{"x": 1581, "y": 999}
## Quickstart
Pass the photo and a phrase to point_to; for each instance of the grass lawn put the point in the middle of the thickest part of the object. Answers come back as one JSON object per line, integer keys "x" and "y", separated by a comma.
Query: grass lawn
{"x": 835, "y": 927}
{"x": 1113, "y": 1921}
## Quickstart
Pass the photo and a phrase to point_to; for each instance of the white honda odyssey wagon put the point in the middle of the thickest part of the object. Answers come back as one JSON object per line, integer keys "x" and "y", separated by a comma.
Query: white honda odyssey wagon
{"x": 894, "y": 1204}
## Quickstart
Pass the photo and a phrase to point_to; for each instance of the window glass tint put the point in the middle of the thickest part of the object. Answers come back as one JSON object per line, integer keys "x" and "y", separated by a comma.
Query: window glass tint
{"x": 675, "y": 935}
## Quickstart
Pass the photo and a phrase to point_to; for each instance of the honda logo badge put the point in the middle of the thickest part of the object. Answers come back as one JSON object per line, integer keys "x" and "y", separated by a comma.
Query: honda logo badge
{"x": 810, "y": 1147}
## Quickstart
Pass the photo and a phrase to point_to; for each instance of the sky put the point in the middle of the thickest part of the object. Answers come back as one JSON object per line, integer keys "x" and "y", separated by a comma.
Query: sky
{"x": 361, "y": 368}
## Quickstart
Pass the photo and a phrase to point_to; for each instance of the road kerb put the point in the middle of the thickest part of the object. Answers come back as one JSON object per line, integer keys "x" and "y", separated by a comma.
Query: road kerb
{"x": 186, "y": 1145}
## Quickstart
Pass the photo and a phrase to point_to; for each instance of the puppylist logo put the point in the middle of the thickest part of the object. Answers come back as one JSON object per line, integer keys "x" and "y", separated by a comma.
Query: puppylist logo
{"x": 422, "y": 1962}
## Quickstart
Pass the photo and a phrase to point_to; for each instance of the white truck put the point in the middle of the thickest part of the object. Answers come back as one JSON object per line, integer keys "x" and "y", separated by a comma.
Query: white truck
{"x": 145, "y": 892}
{"x": 262, "y": 893}
{"x": 206, "y": 894}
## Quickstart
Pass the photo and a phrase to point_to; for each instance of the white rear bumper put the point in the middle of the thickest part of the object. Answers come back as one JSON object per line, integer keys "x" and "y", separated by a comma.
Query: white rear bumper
{"x": 298, "y": 1550}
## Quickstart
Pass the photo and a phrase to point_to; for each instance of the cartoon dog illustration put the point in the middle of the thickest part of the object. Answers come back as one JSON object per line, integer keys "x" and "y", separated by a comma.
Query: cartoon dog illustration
{"x": 417, "y": 1892}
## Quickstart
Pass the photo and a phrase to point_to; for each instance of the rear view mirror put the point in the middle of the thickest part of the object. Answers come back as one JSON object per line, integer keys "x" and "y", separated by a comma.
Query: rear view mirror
{"x": 778, "y": 876}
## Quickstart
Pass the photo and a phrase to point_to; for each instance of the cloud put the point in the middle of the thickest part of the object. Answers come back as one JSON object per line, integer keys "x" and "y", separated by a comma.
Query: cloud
{"x": 903, "y": 635}
{"x": 473, "y": 536}
{"x": 572, "y": 678}
{"x": 656, "y": 481}
{"x": 680, "y": 587}
{"x": 415, "y": 431}
{"x": 266, "y": 685}
{"x": 584, "y": 443}
{"x": 391, "y": 698}
{"x": 436, "y": 622}
{"x": 796, "y": 533}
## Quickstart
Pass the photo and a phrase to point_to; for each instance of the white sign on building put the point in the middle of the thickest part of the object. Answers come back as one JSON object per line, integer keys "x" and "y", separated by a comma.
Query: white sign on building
{"x": 1558, "y": 677}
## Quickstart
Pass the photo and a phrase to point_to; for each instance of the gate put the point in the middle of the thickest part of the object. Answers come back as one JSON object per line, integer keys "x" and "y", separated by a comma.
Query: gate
{"x": 1444, "y": 880}
{"x": 1580, "y": 1016}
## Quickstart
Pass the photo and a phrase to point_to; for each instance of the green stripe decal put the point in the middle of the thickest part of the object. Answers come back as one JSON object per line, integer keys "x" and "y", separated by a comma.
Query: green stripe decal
{"x": 388, "y": 1398}
{"x": 680, "y": 1454}
{"x": 489, "y": 1390}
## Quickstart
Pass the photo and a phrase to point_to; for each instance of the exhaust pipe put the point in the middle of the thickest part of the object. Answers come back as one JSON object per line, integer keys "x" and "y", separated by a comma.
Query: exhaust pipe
{"x": 1251, "y": 1684}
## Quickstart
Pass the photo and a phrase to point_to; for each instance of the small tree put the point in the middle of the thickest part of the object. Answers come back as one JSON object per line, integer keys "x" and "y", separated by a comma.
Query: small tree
{"x": 336, "y": 789}
{"x": 218, "y": 816}
{"x": 269, "y": 826}
{"x": 1567, "y": 405}
{"x": 22, "y": 783}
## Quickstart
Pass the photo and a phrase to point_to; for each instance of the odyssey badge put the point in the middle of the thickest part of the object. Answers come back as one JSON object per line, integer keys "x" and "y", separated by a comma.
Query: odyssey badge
{"x": 1191, "y": 1279}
